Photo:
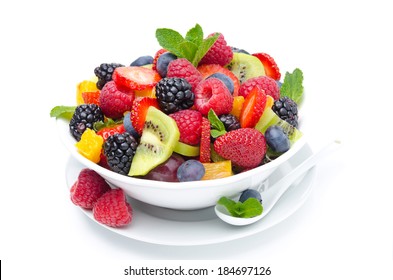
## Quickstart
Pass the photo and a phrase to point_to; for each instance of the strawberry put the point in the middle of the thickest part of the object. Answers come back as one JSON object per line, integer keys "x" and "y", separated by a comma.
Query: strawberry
{"x": 245, "y": 147}
{"x": 209, "y": 69}
{"x": 266, "y": 83}
{"x": 139, "y": 110}
{"x": 204, "y": 148}
{"x": 108, "y": 131}
{"x": 135, "y": 77}
{"x": 114, "y": 101}
{"x": 91, "y": 97}
{"x": 253, "y": 107}
{"x": 182, "y": 68}
{"x": 112, "y": 209}
{"x": 189, "y": 123}
{"x": 88, "y": 188}
{"x": 271, "y": 68}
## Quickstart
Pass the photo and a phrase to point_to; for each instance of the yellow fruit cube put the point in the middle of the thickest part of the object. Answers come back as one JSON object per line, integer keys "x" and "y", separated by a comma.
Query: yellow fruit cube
{"x": 90, "y": 145}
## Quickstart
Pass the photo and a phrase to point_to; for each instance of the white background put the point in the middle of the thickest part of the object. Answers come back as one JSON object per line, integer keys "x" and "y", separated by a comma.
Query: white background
{"x": 345, "y": 51}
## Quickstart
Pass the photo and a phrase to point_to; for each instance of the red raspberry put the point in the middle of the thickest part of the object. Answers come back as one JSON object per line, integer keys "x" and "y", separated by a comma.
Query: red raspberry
{"x": 245, "y": 147}
{"x": 213, "y": 94}
{"x": 266, "y": 83}
{"x": 189, "y": 123}
{"x": 88, "y": 188}
{"x": 182, "y": 68}
{"x": 219, "y": 53}
{"x": 112, "y": 209}
{"x": 115, "y": 101}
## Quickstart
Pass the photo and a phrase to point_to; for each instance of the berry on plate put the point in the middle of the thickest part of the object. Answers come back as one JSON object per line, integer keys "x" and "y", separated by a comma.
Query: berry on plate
{"x": 88, "y": 188}
{"x": 207, "y": 70}
{"x": 114, "y": 101}
{"x": 189, "y": 123}
{"x": 253, "y": 107}
{"x": 204, "y": 149}
{"x": 112, "y": 209}
{"x": 266, "y": 83}
{"x": 136, "y": 77}
{"x": 271, "y": 68}
{"x": 245, "y": 147}
{"x": 219, "y": 53}
{"x": 182, "y": 68}
{"x": 104, "y": 73}
{"x": 139, "y": 110}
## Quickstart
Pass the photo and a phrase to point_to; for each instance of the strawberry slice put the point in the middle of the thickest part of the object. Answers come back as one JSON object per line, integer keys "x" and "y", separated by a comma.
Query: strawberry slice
{"x": 111, "y": 130}
{"x": 135, "y": 77}
{"x": 209, "y": 69}
{"x": 253, "y": 107}
{"x": 271, "y": 68}
{"x": 139, "y": 111}
{"x": 204, "y": 147}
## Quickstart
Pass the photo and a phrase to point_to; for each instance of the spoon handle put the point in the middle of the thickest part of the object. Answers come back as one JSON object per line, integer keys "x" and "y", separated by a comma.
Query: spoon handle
{"x": 283, "y": 184}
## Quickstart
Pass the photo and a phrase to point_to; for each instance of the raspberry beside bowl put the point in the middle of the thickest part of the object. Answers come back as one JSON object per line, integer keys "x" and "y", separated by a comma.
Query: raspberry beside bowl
{"x": 185, "y": 195}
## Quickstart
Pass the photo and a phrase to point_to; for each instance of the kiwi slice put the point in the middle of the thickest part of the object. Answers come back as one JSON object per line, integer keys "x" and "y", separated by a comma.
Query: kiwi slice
{"x": 245, "y": 66}
{"x": 160, "y": 135}
{"x": 186, "y": 150}
{"x": 270, "y": 118}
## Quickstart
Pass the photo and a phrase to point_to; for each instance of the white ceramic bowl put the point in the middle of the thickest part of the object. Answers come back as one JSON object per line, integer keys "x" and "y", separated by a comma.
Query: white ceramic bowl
{"x": 180, "y": 196}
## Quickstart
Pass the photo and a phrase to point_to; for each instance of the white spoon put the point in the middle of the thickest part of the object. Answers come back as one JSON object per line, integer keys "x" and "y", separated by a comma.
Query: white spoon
{"x": 274, "y": 193}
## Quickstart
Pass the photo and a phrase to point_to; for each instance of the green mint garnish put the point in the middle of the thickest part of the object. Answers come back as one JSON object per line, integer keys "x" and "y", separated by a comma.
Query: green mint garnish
{"x": 193, "y": 47}
{"x": 247, "y": 209}
{"x": 64, "y": 112}
{"x": 218, "y": 127}
{"x": 293, "y": 85}
{"x": 97, "y": 126}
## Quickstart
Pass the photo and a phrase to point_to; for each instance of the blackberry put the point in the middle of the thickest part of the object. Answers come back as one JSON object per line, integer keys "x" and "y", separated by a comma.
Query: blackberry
{"x": 230, "y": 122}
{"x": 119, "y": 150}
{"x": 85, "y": 116}
{"x": 286, "y": 109}
{"x": 174, "y": 94}
{"x": 104, "y": 73}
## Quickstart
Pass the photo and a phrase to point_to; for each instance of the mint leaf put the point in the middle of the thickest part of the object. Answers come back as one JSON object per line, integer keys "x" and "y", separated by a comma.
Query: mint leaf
{"x": 170, "y": 40}
{"x": 293, "y": 85}
{"x": 248, "y": 209}
{"x": 195, "y": 35}
{"x": 97, "y": 126}
{"x": 64, "y": 112}
{"x": 204, "y": 48}
{"x": 189, "y": 49}
{"x": 218, "y": 127}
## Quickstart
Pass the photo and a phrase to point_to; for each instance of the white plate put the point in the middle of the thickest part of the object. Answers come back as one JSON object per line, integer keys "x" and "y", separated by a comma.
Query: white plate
{"x": 164, "y": 226}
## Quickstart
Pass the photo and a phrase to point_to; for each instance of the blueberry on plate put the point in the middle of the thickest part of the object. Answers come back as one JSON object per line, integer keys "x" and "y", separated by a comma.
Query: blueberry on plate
{"x": 277, "y": 139}
{"x": 225, "y": 79}
{"x": 250, "y": 193}
{"x": 163, "y": 62}
{"x": 190, "y": 170}
{"x": 142, "y": 60}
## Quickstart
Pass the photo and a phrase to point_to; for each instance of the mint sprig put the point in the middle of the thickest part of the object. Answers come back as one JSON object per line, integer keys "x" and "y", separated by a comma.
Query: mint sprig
{"x": 247, "y": 209}
{"x": 193, "y": 47}
{"x": 64, "y": 112}
{"x": 292, "y": 86}
{"x": 218, "y": 127}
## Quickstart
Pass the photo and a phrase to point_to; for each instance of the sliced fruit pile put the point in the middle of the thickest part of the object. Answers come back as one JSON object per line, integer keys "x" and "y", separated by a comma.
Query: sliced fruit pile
{"x": 197, "y": 109}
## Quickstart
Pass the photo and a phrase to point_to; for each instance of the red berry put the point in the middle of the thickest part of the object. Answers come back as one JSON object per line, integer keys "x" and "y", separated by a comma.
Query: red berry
{"x": 219, "y": 53}
{"x": 108, "y": 131}
{"x": 253, "y": 107}
{"x": 139, "y": 111}
{"x": 213, "y": 94}
{"x": 271, "y": 68}
{"x": 91, "y": 97}
{"x": 266, "y": 83}
{"x": 245, "y": 147}
{"x": 182, "y": 68}
{"x": 204, "y": 148}
{"x": 88, "y": 188}
{"x": 135, "y": 77}
{"x": 189, "y": 123}
{"x": 115, "y": 101}
{"x": 209, "y": 69}
{"x": 112, "y": 209}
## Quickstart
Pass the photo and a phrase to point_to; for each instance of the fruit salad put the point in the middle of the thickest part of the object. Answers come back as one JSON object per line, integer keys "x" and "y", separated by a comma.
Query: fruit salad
{"x": 197, "y": 109}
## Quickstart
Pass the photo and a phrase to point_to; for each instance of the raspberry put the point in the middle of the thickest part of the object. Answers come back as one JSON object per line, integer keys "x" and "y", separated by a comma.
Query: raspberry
{"x": 209, "y": 69}
{"x": 189, "y": 123}
{"x": 213, "y": 94}
{"x": 88, "y": 188}
{"x": 266, "y": 83}
{"x": 114, "y": 101}
{"x": 245, "y": 147}
{"x": 219, "y": 53}
{"x": 112, "y": 209}
{"x": 182, "y": 68}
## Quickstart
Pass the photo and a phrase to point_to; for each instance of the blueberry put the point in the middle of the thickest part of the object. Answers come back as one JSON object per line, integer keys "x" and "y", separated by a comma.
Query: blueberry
{"x": 128, "y": 126}
{"x": 142, "y": 60}
{"x": 224, "y": 78}
{"x": 190, "y": 170}
{"x": 279, "y": 84}
{"x": 276, "y": 139}
{"x": 250, "y": 193}
{"x": 163, "y": 62}
{"x": 237, "y": 50}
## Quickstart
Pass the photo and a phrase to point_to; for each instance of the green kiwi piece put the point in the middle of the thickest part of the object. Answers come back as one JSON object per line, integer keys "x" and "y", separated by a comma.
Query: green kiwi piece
{"x": 245, "y": 66}
{"x": 159, "y": 137}
{"x": 186, "y": 150}
{"x": 270, "y": 118}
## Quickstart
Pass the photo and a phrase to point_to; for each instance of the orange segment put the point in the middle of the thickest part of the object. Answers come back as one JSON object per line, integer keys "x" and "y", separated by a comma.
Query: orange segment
{"x": 216, "y": 170}
{"x": 90, "y": 145}
{"x": 237, "y": 105}
{"x": 84, "y": 86}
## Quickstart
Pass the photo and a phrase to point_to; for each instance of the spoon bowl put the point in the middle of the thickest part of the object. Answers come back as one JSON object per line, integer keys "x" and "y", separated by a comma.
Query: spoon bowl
{"x": 271, "y": 196}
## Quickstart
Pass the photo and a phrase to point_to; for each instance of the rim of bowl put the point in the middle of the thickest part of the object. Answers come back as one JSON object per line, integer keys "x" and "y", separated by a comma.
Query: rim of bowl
{"x": 69, "y": 143}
